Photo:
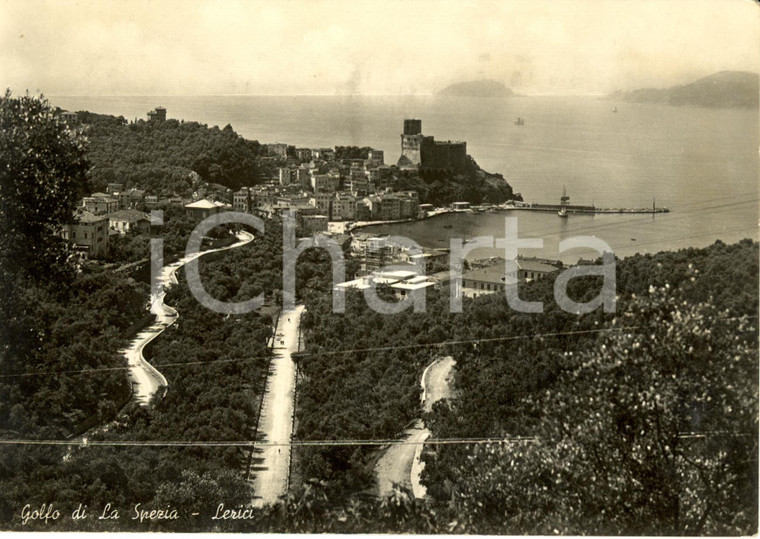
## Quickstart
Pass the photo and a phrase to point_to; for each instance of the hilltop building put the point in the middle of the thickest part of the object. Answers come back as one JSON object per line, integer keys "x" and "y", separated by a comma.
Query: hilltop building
{"x": 158, "y": 114}
{"x": 69, "y": 118}
{"x": 423, "y": 151}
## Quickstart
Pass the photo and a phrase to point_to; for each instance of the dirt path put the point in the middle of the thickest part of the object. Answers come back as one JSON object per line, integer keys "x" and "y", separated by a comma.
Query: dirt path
{"x": 146, "y": 380}
{"x": 272, "y": 462}
{"x": 401, "y": 462}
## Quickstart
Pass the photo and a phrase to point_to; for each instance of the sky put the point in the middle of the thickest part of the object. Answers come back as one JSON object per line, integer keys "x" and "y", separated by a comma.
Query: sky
{"x": 368, "y": 47}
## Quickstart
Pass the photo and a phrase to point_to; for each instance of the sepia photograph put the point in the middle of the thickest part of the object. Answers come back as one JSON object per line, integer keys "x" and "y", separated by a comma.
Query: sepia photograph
{"x": 433, "y": 267}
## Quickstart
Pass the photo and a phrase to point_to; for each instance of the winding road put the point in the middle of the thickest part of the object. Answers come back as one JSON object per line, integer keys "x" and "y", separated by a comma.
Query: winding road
{"x": 146, "y": 379}
{"x": 271, "y": 463}
{"x": 401, "y": 462}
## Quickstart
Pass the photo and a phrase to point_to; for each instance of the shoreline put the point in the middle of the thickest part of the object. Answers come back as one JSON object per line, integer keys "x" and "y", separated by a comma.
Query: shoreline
{"x": 350, "y": 226}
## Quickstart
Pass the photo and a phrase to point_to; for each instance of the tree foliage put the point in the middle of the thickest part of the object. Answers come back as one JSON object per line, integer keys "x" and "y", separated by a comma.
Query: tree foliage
{"x": 42, "y": 175}
{"x": 160, "y": 156}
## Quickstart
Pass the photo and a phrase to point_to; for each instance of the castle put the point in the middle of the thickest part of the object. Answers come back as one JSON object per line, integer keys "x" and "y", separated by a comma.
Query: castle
{"x": 426, "y": 152}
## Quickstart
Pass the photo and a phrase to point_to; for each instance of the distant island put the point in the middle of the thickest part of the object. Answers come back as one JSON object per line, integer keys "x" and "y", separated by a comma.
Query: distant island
{"x": 477, "y": 88}
{"x": 726, "y": 89}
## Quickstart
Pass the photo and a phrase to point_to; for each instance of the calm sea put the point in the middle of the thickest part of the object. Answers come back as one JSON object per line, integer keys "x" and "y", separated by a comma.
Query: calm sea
{"x": 702, "y": 164}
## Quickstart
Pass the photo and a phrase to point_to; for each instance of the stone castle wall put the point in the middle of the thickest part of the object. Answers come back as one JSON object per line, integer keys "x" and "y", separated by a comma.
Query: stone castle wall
{"x": 424, "y": 151}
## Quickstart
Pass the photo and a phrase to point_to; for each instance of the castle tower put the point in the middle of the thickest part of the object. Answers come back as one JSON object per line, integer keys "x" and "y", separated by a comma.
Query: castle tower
{"x": 411, "y": 143}
{"x": 412, "y": 127}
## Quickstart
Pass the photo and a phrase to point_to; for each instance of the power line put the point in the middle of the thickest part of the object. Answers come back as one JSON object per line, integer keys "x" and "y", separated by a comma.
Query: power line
{"x": 316, "y": 443}
{"x": 354, "y": 350}
{"x": 333, "y": 352}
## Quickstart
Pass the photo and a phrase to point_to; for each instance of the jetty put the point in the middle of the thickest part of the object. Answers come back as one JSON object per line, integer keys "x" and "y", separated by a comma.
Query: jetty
{"x": 571, "y": 208}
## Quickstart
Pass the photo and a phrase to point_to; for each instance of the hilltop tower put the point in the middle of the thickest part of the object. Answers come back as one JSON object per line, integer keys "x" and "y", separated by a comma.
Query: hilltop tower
{"x": 158, "y": 115}
{"x": 412, "y": 127}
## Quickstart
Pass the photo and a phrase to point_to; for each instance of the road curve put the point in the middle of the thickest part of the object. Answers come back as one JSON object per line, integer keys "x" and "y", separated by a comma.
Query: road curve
{"x": 272, "y": 462}
{"x": 401, "y": 461}
{"x": 146, "y": 379}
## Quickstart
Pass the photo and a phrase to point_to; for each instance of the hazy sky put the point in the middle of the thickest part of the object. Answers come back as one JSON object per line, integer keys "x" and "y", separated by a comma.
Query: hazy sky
{"x": 135, "y": 47}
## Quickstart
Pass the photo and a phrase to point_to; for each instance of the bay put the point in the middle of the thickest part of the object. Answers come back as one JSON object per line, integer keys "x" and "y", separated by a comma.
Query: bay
{"x": 702, "y": 164}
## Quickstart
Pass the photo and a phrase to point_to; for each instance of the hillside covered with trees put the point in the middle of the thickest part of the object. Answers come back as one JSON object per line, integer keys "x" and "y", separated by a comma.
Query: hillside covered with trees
{"x": 161, "y": 156}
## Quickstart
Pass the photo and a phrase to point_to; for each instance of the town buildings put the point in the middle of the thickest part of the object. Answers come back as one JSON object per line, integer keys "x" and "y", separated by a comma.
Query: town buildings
{"x": 491, "y": 279}
{"x": 243, "y": 200}
{"x": 100, "y": 203}
{"x": 401, "y": 282}
{"x": 277, "y": 150}
{"x": 131, "y": 198}
{"x": 123, "y": 221}
{"x": 313, "y": 224}
{"x": 87, "y": 233}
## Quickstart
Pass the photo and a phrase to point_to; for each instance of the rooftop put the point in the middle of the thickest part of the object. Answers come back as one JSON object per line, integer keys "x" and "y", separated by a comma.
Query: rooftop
{"x": 536, "y": 265}
{"x": 88, "y": 217}
{"x": 496, "y": 273}
{"x": 408, "y": 285}
{"x": 129, "y": 215}
{"x": 204, "y": 204}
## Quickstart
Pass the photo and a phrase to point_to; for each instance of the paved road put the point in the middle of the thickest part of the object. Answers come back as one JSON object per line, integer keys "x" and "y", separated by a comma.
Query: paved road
{"x": 436, "y": 386}
{"x": 270, "y": 474}
{"x": 146, "y": 380}
{"x": 401, "y": 462}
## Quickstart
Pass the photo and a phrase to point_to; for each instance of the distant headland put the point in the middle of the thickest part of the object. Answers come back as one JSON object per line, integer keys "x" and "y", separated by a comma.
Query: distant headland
{"x": 726, "y": 89}
{"x": 477, "y": 88}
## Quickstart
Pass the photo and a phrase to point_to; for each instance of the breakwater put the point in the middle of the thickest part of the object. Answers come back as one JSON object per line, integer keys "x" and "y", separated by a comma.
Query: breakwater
{"x": 589, "y": 210}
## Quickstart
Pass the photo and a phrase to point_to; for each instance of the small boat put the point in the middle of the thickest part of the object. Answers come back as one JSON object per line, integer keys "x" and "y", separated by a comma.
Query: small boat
{"x": 563, "y": 203}
{"x": 520, "y": 121}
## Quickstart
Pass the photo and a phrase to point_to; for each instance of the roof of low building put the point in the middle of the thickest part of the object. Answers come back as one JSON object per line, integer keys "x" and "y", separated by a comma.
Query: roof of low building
{"x": 496, "y": 273}
{"x": 490, "y": 274}
{"x": 406, "y": 285}
{"x": 84, "y": 216}
{"x": 204, "y": 204}
{"x": 536, "y": 265}
{"x": 128, "y": 215}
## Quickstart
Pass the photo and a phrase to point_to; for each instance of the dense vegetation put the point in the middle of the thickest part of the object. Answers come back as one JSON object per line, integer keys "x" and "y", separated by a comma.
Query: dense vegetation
{"x": 356, "y": 395}
{"x": 608, "y": 410}
{"x": 442, "y": 187}
{"x": 162, "y": 156}
{"x": 57, "y": 318}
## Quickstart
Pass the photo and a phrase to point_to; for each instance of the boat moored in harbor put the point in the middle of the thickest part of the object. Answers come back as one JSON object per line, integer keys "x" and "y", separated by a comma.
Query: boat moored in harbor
{"x": 563, "y": 203}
